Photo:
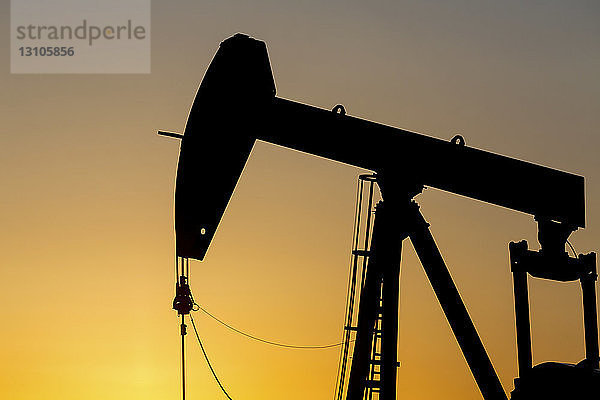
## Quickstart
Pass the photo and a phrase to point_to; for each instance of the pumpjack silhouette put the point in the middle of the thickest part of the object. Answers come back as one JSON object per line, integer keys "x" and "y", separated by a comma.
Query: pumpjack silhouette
{"x": 236, "y": 105}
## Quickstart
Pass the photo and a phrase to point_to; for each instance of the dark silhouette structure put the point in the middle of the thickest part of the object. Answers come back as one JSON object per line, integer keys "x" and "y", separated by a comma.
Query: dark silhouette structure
{"x": 236, "y": 105}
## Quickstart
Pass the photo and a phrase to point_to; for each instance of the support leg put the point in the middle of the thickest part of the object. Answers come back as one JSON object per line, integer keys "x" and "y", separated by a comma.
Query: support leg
{"x": 391, "y": 254}
{"x": 517, "y": 251}
{"x": 522, "y": 322}
{"x": 453, "y": 306}
{"x": 383, "y": 269}
{"x": 590, "y": 319}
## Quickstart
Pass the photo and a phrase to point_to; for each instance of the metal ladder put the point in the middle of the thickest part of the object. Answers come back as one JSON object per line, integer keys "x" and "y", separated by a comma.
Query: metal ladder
{"x": 362, "y": 235}
{"x": 373, "y": 384}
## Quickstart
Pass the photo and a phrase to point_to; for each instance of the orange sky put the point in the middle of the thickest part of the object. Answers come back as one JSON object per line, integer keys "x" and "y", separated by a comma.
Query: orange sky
{"x": 86, "y": 246}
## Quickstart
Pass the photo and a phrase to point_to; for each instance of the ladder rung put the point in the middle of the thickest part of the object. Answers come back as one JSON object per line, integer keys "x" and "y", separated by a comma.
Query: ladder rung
{"x": 363, "y": 253}
{"x": 351, "y": 328}
{"x": 373, "y": 384}
{"x": 379, "y": 362}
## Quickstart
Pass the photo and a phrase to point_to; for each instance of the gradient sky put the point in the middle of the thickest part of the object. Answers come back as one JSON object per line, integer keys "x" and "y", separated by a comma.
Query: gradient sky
{"x": 87, "y": 242}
